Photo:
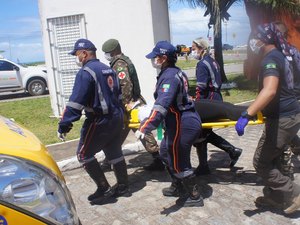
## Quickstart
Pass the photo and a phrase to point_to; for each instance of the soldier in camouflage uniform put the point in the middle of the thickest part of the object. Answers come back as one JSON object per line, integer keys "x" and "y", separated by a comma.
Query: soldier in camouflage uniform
{"x": 130, "y": 93}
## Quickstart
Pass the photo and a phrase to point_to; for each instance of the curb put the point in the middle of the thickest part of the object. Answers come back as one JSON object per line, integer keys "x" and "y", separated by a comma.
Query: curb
{"x": 72, "y": 163}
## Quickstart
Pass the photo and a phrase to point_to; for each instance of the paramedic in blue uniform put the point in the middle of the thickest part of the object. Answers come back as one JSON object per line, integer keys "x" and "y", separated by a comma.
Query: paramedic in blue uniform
{"x": 96, "y": 91}
{"x": 182, "y": 124}
{"x": 278, "y": 102}
{"x": 208, "y": 87}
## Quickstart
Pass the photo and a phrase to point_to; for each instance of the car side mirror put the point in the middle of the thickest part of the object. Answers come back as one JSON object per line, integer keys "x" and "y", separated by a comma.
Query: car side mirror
{"x": 16, "y": 68}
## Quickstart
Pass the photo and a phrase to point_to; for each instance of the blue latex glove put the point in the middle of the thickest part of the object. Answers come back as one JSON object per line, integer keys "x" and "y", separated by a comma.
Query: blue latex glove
{"x": 240, "y": 125}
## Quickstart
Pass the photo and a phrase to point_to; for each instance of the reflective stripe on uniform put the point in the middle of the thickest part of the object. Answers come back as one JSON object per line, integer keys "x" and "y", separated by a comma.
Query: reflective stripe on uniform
{"x": 176, "y": 140}
{"x": 115, "y": 161}
{"x": 160, "y": 109}
{"x": 100, "y": 94}
{"x": 75, "y": 105}
{"x": 180, "y": 96}
{"x": 201, "y": 84}
{"x": 212, "y": 74}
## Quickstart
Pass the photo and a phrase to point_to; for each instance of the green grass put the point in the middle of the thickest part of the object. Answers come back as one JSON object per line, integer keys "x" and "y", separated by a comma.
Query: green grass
{"x": 35, "y": 113}
{"x": 246, "y": 89}
{"x": 191, "y": 63}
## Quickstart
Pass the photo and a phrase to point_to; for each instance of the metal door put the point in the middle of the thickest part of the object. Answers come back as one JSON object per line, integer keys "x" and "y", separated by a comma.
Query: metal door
{"x": 63, "y": 33}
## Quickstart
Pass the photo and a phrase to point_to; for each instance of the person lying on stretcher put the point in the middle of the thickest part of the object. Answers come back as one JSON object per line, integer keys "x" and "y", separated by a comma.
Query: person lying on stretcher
{"x": 213, "y": 114}
{"x": 209, "y": 111}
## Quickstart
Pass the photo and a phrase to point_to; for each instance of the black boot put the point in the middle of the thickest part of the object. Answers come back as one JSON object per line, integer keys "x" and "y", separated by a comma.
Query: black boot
{"x": 104, "y": 190}
{"x": 157, "y": 164}
{"x": 203, "y": 168}
{"x": 193, "y": 196}
{"x": 234, "y": 153}
{"x": 121, "y": 188}
{"x": 175, "y": 190}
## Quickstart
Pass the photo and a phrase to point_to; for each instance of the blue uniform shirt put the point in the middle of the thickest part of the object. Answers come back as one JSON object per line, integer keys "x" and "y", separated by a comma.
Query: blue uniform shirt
{"x": 171, "y": 92}
{"x": 96, "y": 90}
{"x": 208, "y": 78}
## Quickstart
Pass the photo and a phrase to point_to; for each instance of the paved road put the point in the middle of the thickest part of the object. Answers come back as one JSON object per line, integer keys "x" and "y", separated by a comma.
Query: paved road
{"x": 229, "y": 195}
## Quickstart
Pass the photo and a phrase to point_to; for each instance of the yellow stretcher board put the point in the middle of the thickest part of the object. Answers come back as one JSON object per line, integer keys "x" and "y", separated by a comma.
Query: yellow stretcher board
{"x": 135, "y": 123}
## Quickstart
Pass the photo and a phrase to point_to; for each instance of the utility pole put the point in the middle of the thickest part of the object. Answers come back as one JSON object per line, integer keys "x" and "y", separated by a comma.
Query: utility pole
{"x": 9, "y": 48}
{"x": 225, "y": 24}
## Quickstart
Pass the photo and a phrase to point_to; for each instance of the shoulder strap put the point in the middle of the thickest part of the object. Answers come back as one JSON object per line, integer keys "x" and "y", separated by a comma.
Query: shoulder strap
{"x": 133, "y": 76}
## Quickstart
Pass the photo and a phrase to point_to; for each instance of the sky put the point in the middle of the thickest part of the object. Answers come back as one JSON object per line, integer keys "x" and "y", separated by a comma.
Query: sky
{"x": 21, "y": 38}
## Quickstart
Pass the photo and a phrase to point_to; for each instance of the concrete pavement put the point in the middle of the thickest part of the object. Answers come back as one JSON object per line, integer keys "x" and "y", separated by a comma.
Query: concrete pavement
{"x": 229, "y": 194}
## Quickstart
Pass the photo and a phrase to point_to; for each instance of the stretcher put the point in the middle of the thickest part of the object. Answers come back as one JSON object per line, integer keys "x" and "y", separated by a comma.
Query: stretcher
{"x": 221, "y": 123}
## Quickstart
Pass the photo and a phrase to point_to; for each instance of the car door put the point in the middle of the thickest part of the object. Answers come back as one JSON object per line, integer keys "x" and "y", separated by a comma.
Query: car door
{"x": 9, "y": 75}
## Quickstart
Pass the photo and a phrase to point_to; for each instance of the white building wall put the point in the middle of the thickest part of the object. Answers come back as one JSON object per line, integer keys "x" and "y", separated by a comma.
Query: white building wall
{"x": 137, "y": 24}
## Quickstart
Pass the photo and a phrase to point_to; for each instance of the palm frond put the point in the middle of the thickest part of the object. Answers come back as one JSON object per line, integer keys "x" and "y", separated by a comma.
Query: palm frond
{"x": 289, "y": 6}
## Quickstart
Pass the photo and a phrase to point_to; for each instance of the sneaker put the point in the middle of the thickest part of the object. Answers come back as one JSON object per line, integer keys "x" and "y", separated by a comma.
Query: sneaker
{"x": 264, "y": 201}
{"x": 156, "y": 165}
{"x": 294, "y": 205}
{"x": 235, "y": 156}
{"x": 202, "y": 170}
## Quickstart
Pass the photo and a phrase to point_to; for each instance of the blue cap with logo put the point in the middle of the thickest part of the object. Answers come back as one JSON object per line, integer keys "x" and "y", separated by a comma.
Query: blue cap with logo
{"x": 162, "y": 48}
{"x": 83, "y": 44}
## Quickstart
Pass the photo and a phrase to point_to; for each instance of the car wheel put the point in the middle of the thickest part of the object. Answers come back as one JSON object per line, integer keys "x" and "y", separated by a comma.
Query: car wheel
{"x": 36, "y": 87}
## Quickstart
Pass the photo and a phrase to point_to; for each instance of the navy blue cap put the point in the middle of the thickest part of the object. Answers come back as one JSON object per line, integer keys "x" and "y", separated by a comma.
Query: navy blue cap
{"x": 162, "y": 48}
{"x": 83, "y": 44}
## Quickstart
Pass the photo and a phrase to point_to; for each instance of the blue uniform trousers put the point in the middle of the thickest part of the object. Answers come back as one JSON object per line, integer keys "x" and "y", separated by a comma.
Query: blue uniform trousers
{"x": 182, "y": 129}
{"x": 101, "y": 134}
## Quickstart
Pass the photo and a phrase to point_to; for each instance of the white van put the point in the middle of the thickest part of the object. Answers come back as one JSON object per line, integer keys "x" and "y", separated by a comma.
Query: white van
{"x": 15, "y": 77}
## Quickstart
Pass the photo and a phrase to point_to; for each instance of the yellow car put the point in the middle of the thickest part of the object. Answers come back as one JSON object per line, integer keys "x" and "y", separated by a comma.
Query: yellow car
{"x": 32, "y": 188}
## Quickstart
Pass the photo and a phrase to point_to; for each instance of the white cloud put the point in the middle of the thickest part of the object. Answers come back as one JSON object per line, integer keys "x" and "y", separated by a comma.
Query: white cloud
{"x": 24, "y": 42}
{"x": 189, "y": 23}
{"x": 22, "y": 52}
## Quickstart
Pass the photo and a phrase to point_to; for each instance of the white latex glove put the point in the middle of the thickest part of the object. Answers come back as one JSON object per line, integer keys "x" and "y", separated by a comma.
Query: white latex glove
{"x": 139, "y": 135}
{"x": 62, "y": 136}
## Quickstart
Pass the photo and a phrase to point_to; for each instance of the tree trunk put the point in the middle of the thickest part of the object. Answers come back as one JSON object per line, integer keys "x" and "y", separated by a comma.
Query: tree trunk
{"x": 218, "y": 45}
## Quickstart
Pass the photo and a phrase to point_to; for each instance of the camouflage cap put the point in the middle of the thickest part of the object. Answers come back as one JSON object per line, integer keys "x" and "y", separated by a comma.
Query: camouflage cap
{"x": 110, "y": 45}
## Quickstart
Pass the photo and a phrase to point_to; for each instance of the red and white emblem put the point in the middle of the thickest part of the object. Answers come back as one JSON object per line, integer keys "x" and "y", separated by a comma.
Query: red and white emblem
{"x": 121, "y": 75}
{"x": 110, "y": 82}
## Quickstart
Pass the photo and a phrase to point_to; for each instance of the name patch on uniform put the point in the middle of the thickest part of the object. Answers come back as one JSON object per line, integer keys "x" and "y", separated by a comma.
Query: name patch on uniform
{"x": 107, "y": 71}
{"x": 121, "y": 75}
{"x": 271, "y": 66}
{"x": 166, "y": 87}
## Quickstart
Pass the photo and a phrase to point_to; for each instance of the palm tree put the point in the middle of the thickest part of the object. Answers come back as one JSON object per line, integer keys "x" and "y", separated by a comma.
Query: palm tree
{"x": 217, "y": 10}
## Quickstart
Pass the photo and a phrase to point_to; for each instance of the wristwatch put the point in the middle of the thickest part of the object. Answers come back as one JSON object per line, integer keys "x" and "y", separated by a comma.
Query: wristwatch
{"x": 246, "y": 115}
